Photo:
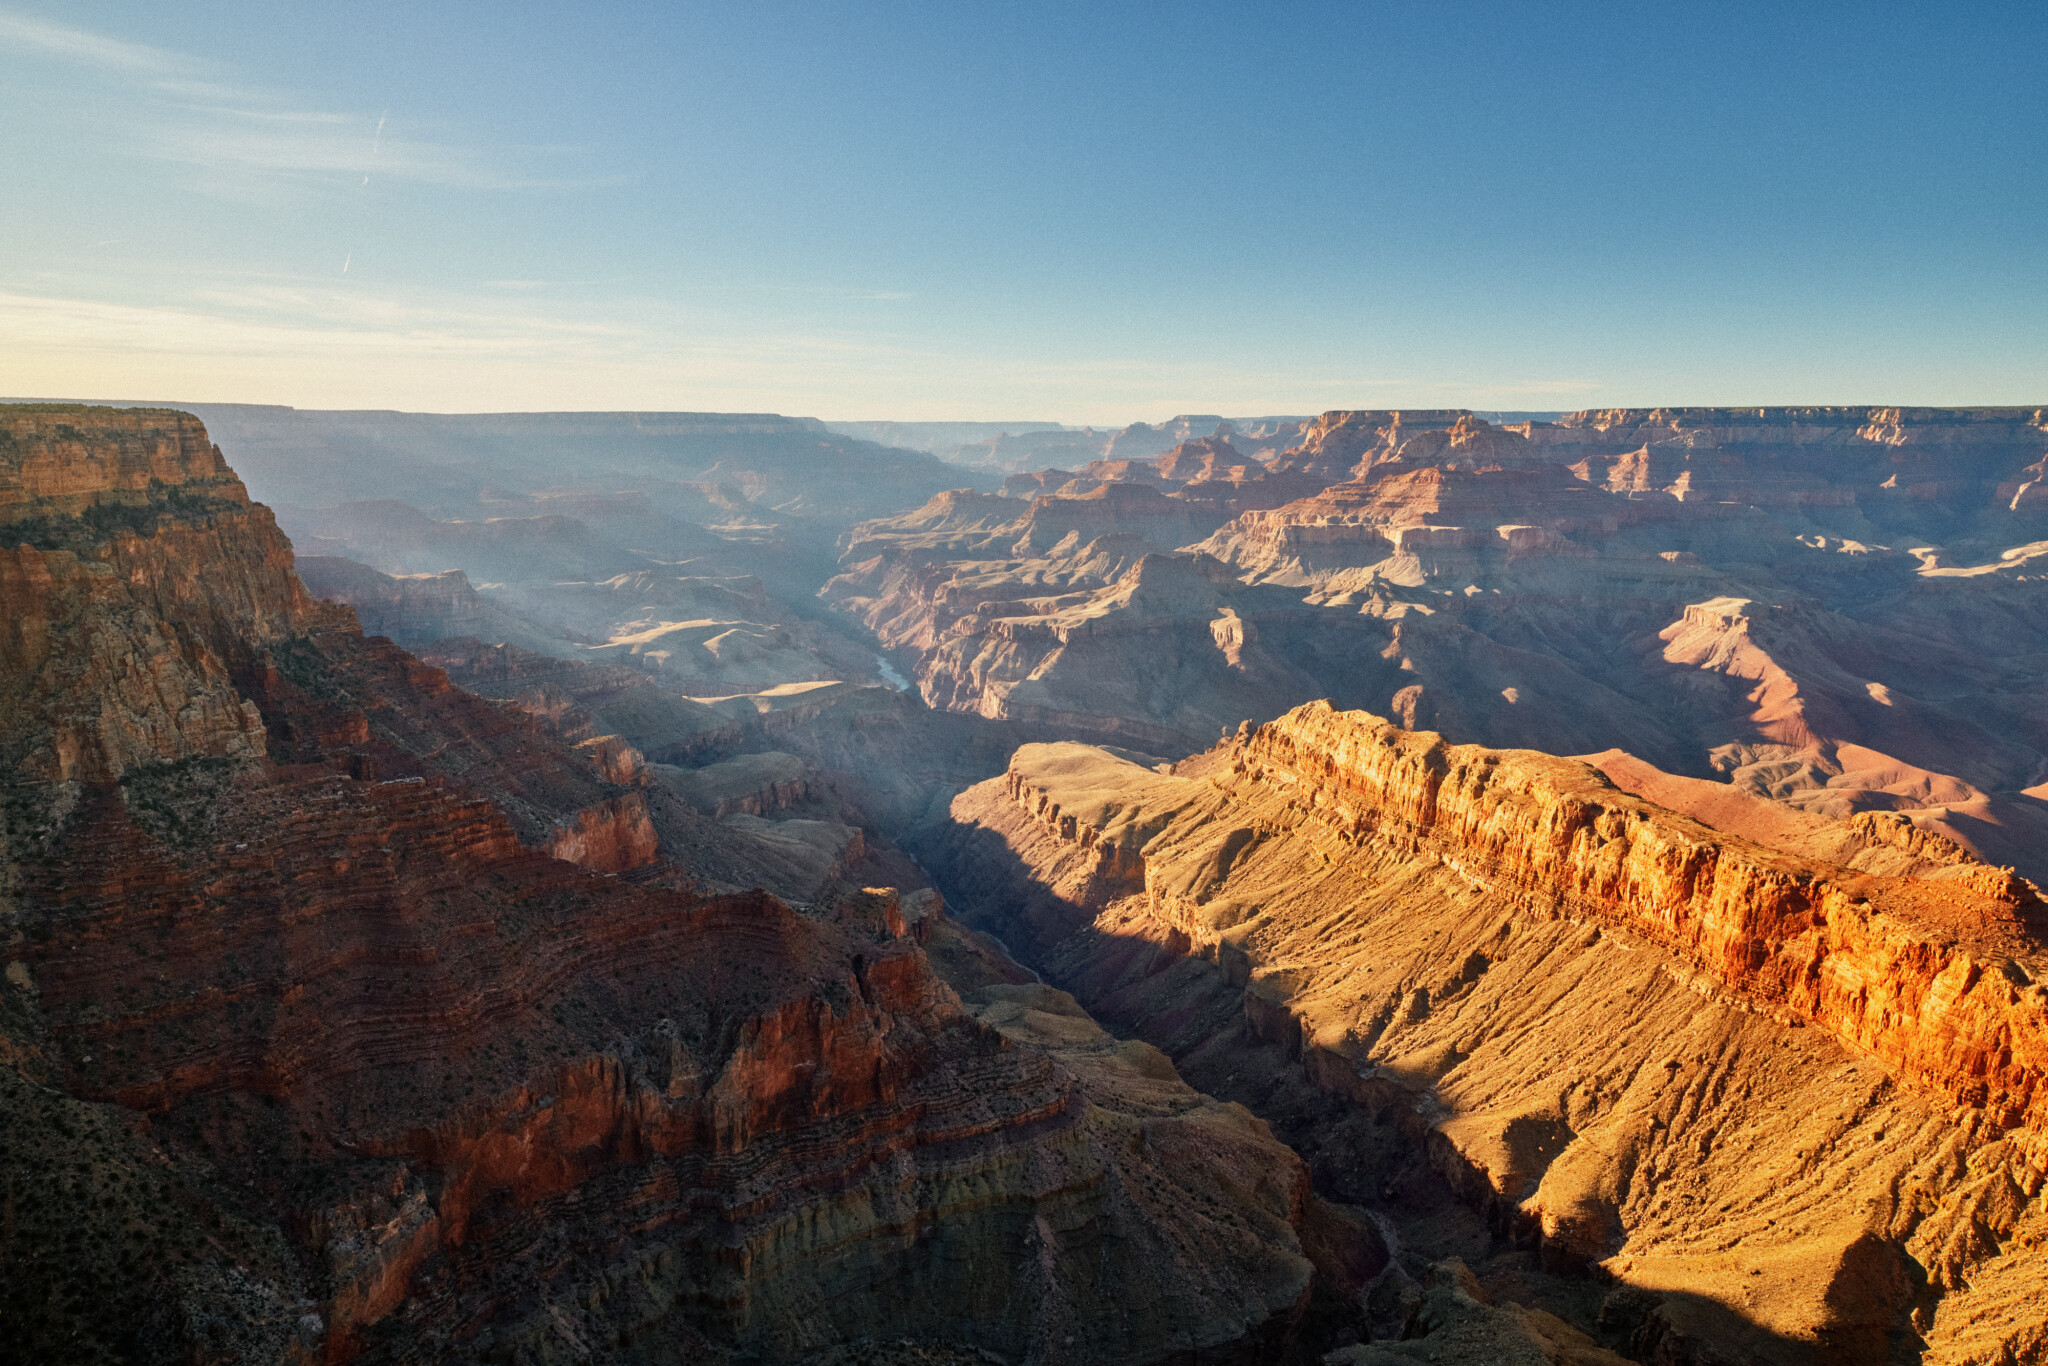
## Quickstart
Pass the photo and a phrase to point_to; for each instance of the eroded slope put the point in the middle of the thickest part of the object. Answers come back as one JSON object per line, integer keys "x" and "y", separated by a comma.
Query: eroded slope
{"x": 349, "y": 1016}
{"x": 1787, "y": 1111}
{"x": 1840, "y": 609}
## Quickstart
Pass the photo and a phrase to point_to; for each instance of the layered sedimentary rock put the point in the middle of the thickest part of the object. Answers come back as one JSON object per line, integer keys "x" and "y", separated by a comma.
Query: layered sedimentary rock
{"x": 1348, "y": 444}
{"x": 1210, "y": 478}
{"x": 135, "y": 566}
{"x": 993, "y": 597}
{"x": 417, "y": 608}
{"x": 1020, "y": 447}
{"x": 686, "y": 544}
{"x": 347, "y": 1015}
{"x": 1207, "y": 648}
{"x": 1836, "y": 608}
{"x": 1788, "y": 1110}
{"x": 580, "y": 596}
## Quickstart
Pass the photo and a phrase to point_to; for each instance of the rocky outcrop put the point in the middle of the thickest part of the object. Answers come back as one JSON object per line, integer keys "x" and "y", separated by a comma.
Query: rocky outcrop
{"x": 1884, "y": 842}
{"x": 616, "y": 836}
{"x": 1064, "y": 663}
{"x": 1765, "y": 1097}
{"x": 1018, "y": 450}
{"x": 402, "y": 1030}
{"x": 945, "y": 579}
{"x": 136, "y": 575}
{"x": 1912, "y": 975}
{"x": 415, "y": 608}
{"x": 1834, "y": 608}
{"x": 1340, "y": 445}
{"x": 58, "y": 460}
{"x": 756, "y": 784}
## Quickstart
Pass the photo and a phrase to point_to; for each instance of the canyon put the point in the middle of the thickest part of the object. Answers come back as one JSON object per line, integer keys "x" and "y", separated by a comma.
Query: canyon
{"x": 350, "y": 1016}
{"x": 1785, "y": 1111}
{"x": 1835, "y": 608}
{"x": 1104, "y": 896}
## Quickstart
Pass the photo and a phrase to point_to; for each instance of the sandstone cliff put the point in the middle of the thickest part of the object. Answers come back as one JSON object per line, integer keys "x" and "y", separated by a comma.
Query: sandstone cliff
{"x": 348, "y": 1016}
{"x": 1788, "y": 1111}
{"x": 1836, "y": 608}
{"x": 1017, "y": 448}
{"x": 939, "y": 580}
{"x": 135, "y": 571}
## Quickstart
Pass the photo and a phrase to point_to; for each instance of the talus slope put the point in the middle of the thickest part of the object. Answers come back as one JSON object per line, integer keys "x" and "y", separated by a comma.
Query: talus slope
{"x": 1786, "y": 1111}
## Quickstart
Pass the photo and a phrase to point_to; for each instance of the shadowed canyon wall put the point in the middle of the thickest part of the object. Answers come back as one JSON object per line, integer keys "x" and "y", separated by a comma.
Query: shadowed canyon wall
{"x": 348, "y": 1016}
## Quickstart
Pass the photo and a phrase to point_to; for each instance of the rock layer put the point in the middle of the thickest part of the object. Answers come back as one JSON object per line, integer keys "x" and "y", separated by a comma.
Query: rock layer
{"x": 1840, "y": 609}
{"x": 348, "y": 1016}
{"x": 1772, "y": 1102}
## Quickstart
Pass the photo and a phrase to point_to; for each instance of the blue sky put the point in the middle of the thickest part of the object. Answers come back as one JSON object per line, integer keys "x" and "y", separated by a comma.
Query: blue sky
{"x": 1077, "y": 212}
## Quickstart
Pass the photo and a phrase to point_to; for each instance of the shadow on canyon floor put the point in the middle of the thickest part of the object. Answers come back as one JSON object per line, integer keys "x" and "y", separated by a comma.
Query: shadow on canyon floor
{"x": 1436, "y": 1210}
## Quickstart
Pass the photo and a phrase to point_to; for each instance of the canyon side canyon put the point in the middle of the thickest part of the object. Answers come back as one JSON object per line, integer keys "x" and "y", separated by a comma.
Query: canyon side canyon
{"x": 1380, "y": 887}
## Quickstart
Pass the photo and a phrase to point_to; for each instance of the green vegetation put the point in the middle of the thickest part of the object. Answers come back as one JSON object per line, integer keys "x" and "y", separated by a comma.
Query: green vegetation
{"x": 302, "y": 663}
{"x": 40, "y": 525}
{"x": 105, "y": 1249}
{"x": 180, "y": 803}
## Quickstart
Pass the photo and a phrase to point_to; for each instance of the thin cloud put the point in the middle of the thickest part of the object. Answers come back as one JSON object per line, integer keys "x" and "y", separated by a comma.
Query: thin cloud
{"x": 306, "y": 320}
{"x": 58, "y": 40}
{"x": 325, "y": 147}
{"x": 284, "y": 116}
{"x": 389, "y": 334}
{"x": 315, "y": 346}
{"x": 344, "y": 147}
{"x": 195, "y": 118}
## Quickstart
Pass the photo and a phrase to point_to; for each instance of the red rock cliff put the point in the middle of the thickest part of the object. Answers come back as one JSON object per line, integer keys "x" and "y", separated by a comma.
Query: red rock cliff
{"x": 135, "y": 575}
{"x": 305, "y": 1035}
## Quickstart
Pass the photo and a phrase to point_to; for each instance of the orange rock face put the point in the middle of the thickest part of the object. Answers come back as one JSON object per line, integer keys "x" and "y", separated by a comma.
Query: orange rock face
{"x": 1912, "y": 971}
{"x": 136, "y": 569}
{"x": 69, "y": 460}
{"x": 1765, "y": 1096}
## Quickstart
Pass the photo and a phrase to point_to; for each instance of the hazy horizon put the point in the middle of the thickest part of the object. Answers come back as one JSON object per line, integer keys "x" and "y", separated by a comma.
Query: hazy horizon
{"x": 1016, "y": 426}
{"x": 917, "y": 213}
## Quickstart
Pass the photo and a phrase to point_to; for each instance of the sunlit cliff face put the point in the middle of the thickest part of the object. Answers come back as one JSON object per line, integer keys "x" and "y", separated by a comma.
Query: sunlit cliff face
{"x": 1772, "y": 1100}
{"x": 1830, "y": 607}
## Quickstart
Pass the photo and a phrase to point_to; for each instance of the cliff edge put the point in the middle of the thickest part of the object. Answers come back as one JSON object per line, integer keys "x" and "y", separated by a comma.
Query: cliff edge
{"x": 1784, "y": 1110}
